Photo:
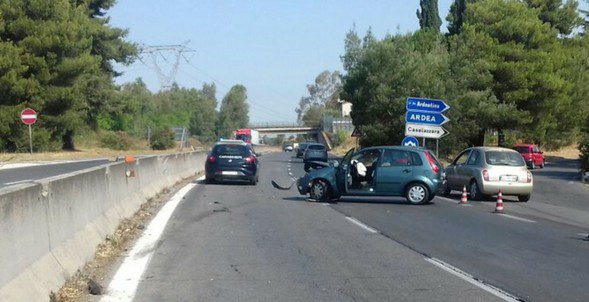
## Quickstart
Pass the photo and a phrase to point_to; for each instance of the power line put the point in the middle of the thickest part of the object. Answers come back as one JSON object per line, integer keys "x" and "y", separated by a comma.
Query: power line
{"x": 155, "y": 53}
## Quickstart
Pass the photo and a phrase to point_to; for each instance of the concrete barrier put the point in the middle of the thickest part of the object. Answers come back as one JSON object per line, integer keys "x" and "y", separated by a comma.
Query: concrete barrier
{"x": 50, "y": 228}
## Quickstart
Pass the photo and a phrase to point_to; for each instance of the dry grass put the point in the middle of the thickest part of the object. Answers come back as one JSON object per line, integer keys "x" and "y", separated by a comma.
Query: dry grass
{"x": 345, "y": 147}
{"x": 112, "y": 248}
{"x": 570, "y": 152}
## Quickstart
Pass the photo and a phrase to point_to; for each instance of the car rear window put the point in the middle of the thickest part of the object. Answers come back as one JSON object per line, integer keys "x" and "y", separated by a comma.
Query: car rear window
{"x": 231, "y": 150}
{"x": 316, "y": 147}
{"x": 503, "y": 158}
{"x": 522, "y": 149}
{"x": 303, "y": 146}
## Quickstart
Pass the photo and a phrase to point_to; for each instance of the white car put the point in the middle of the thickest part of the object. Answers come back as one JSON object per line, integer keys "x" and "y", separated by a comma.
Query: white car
{"x": 288, "y": 148}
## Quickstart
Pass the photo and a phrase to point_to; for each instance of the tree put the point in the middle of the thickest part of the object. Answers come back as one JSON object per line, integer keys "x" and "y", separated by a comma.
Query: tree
{"x": 233, "y": 114}
{"x": 204, "y": 119}
{"x": 562, "y": 16}
{"x": 388, "y": 72}
{"x": 523, "y": 57}
{"x": 456, "y": 16}
{"x": 429, "y": 16}
{"x": 323, "y": 97}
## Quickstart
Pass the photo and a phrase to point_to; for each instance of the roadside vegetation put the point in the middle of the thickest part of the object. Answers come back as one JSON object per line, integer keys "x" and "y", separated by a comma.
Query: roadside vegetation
{"x": 58, "y": 58}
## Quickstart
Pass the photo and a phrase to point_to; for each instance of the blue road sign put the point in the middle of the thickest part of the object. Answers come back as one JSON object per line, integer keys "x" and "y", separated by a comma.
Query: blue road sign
{"x": 425, "y": 118}
{"x": 410, "y": 141}
{"x": 427, "y": 105}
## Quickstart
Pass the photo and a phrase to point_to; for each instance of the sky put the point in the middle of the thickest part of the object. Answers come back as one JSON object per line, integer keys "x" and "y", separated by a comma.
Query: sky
{"x": 272, "y": 47}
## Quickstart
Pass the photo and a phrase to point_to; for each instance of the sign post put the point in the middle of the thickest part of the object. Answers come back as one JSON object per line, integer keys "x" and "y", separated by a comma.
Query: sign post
{"x": 424, "y": 119}
{"x": 29, "y": 117}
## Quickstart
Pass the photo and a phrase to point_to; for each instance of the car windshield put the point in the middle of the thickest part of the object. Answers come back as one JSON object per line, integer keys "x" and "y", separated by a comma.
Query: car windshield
{"x": 504, "y": 158}
{"x": 303, "y": 146}
{"x": 231, "y": 150}
{"x": 316, "y": 147}
{"x": 522, "y": 149}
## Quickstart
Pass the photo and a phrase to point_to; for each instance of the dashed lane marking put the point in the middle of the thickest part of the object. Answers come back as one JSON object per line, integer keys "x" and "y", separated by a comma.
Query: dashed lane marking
{"x": 360, "y": 224}
{"x": 472, "y": 280}
{"x": 17, "y": 182}
{"x": 123, "y": 286}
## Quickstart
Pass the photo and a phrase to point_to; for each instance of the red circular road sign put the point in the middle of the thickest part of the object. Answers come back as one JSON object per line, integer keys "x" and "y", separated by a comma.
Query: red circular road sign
{"x": 28, "y": 116}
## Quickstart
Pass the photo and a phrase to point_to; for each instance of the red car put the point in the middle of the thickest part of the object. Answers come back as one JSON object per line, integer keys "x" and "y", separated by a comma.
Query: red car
{"x": 532, "y": 154}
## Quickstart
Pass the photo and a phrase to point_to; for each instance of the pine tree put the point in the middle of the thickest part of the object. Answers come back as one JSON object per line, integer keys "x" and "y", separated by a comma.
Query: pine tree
{"x": 429, "y": 16}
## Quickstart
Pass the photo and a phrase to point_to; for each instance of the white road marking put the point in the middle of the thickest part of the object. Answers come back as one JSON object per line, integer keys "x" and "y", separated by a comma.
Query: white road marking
{"x": 517, "y": 218}
{"x": 124, "y": 284}
{"x": 472, "y": 280}
{"x": 17, "y": 182}
{"x": 325, "y": 203}
{"x": 583, "y": 235}
{"x": 360, "y": 224}
{"x": 448, "y": 199}
{"x": 289, "y": 173}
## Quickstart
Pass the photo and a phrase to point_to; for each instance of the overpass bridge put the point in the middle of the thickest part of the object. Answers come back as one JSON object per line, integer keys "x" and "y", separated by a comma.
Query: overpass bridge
{"x": 293, "y": 128}
{"x": 285, "y": 128}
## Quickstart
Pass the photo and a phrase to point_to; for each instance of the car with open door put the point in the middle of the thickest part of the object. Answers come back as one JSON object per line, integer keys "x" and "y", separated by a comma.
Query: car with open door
{"x": 414, "y": 173}
{"x": 485, "y": 170}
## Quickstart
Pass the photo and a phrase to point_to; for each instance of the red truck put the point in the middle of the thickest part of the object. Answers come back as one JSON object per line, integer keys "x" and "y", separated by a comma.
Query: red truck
{"x": 532, "y": 154}
{"x": 249, "y": 136}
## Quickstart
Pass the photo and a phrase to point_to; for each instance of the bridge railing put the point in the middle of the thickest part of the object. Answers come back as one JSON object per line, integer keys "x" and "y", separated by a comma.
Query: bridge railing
{"x": 279, "y": 125}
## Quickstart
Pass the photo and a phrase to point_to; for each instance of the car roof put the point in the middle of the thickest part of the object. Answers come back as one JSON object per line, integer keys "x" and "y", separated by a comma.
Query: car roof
{"x": 404, "y": 148}
{"x": 231, "y": 142}
{"x": 523, "y": 145}
{"x": 493, "y": 149}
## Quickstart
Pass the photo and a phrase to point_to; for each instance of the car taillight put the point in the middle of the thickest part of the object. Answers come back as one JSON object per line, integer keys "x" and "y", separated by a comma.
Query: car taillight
{"x": 250, "y": 159}
{"x": 486, "y": 175}
{"x": 529, "y": 176}
{"x": 212, "y": 159}
{"x": 432, "y": 163}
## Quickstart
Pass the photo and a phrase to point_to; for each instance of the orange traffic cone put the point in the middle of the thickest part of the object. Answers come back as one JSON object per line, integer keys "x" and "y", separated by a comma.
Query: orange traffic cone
{"x": 499, "y": 205}
{"x": 464, "y": 199}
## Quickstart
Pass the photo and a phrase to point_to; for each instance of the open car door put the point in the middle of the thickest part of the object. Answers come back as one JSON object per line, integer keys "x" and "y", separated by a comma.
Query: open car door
{"x": 341, "y": 173}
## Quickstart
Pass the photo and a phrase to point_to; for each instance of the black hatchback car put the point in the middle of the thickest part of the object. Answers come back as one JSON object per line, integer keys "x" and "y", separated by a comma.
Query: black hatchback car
{"x": 232, "y": 160}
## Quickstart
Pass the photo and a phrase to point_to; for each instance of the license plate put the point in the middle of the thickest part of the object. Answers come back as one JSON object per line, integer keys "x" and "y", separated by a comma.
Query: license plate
{"x": 508, "y": 178}
{"x": 229, "y": 172}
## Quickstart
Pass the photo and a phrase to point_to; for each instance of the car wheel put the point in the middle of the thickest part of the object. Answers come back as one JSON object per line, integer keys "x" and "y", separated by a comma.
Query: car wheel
{"x": 307, "y": 167}
{"x": 209, "y": 181}
{"x": 542, "y": 165}
{"x": 524, "y": 198}
{"x": 533, "y": 165}
{"x": 319, "y": 191}
{"x": 475, "y": 191}
{"x": 417, "y": 194}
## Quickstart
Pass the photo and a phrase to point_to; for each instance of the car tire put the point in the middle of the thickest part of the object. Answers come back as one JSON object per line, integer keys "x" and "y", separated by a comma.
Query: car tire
{"x": 524, "y": 198}
{"x": 542, "y": 165}
{"x": 319, "y": 191}
{"x": 475, "y": 191}
{"x": 417, "y": 194}
{"x": 209, "y": 181}
{"x": 533, "y": 165}
{"x": 307, "y": 167}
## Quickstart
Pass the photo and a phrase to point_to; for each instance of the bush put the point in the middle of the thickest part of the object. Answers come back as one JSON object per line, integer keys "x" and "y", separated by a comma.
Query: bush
{"x": 339, "y": 137}
{"x": 116, "y": 140}
{"x": 584, "y": 157}
{"x": 162, "y": 140}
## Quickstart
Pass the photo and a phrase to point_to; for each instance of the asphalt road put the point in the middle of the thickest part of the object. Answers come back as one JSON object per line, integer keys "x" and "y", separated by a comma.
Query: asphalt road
{"x": 14, "y": 176}
{"x": 228, "y": 242}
